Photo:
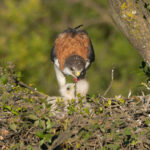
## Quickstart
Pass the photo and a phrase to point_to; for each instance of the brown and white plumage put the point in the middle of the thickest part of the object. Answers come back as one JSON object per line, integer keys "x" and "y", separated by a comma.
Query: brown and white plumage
{"x": 72, "y": 54}
{"x": 69, "y": 44}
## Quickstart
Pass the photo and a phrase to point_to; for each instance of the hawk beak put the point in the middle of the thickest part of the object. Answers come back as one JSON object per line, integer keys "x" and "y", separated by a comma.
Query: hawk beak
{"x": 77, "y": 73}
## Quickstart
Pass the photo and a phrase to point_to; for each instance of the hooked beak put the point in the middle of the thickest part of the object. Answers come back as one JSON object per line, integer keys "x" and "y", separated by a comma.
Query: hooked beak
{"x": 77, "y": 74}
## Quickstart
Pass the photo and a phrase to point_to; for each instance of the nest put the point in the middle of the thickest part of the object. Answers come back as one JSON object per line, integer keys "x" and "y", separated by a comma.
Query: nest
{"x": 27, "y": 121}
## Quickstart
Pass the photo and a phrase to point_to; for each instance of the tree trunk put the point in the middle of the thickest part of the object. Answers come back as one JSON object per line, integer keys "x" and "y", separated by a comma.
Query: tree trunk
{"x": 133, "y": 19}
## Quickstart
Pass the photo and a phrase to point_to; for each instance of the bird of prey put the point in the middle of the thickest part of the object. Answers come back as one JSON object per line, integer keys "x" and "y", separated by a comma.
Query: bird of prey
{"x": 72, "y": 54}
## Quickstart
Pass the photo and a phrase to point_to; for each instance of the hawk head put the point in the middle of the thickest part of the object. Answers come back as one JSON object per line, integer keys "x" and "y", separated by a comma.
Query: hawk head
{"x": 74, "y": 66}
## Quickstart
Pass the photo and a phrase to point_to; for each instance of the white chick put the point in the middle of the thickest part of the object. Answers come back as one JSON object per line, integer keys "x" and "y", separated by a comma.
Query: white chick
{"x": 68, "y": 91}
{"x": 82, "y": 87}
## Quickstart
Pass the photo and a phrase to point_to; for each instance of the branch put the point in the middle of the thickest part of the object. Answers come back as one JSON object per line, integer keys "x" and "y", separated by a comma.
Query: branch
{"x": 32, "y": 89}
{"x": 133, "y": 19}
{"x": 111, "y": 83}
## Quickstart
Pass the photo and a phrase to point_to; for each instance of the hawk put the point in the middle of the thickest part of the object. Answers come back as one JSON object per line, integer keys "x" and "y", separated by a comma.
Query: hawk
{"x": 72, "y": 54}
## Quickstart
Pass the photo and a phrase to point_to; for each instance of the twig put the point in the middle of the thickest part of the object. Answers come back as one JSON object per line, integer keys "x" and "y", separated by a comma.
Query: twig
{"x": 146, "y": 106}
{"x": 110, "y": 85}
{"x": 144, "y": 84}
{"x": 129, "y": 94}
{"x": 32, "y": 89}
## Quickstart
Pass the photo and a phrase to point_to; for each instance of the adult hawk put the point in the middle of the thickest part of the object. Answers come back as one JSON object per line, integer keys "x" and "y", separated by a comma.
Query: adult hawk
{"x": 72, "y": 54}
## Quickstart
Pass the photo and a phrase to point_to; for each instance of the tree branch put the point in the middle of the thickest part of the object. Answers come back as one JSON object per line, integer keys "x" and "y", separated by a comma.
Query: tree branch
{"x": 133, "y": 19}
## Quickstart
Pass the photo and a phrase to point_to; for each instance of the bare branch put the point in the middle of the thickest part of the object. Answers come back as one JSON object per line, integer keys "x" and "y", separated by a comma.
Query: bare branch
{"x": 33, "y": 89}
{"x": 111, "y": 83}
{"x": 145, "y": 85}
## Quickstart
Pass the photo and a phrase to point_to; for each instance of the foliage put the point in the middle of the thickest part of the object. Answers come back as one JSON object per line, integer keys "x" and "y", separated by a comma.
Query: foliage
{"x": 27, "y": 121}
{"x": 146, "y": 70}
{"x": 28, "y": 29}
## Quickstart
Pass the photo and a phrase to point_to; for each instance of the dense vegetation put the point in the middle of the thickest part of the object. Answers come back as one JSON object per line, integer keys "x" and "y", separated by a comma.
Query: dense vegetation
{"x": 28, "y": 29}
{"x": 27, "y": 122}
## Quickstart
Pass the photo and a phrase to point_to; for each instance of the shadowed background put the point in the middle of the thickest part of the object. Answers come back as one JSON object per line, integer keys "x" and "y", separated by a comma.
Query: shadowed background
{"x": 28, "y": 29}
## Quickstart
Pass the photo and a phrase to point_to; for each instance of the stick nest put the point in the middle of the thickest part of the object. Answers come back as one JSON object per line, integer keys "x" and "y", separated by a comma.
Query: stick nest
{"x": 26, "y": 120}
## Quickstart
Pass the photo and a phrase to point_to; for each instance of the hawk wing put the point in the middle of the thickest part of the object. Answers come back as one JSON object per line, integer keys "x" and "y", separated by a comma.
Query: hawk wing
{"x": 90, "y": 55}
{"x": 53, "y": 54}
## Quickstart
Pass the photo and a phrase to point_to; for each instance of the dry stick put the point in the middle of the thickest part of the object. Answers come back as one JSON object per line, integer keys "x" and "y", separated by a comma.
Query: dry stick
{"x": 110, "y": 85}
{"x": 32, "y": 89}
{"x": 147, "y": 104}
{"x": 147, "y": 87}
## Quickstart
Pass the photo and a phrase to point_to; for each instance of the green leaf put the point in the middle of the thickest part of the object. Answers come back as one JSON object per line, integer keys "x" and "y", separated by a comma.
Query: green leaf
{"x": 127, "y": 131}
{"x": 101, "y": 109}
{"x": 87, "y": 135}
{"x": 33, "y": 117}
{"x": 48, "y": 137}
{"x": 14, "y": 112}
{"x": 147, "y": 122}
{"x": 7, "y": 107}
{"x": 42, "y": 124}
{"x": 39, "y": 134}
{"x": 13, "y": 127}
{"x": 4, "y": 79}
{"x": 49, "y": 124}
{"x": 42, "y": 141}
{"x": 29, "y": 147}
{"x": 109, "y": 102}
{"x": 36, "y": 123}
{"x": 87, "y": 110}
{"x": 134, "y": 142}
{"x": 19, "y": 75}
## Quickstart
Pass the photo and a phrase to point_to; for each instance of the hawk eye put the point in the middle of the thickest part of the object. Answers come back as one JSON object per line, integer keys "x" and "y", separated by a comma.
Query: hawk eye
{"x": 68, "y": 88}
{"x": 71, "y": 69}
